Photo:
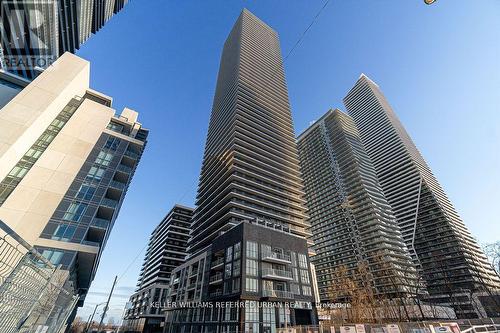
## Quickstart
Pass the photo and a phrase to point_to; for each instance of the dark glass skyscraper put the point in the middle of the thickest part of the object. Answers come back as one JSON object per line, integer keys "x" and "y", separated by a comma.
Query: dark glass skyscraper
{"x": 35, "y": 32}
{"x": 450, "y": 260}
{"x": 250, "y": 168}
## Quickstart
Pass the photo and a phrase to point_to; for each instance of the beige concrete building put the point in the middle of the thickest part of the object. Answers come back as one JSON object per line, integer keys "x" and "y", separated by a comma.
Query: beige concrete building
{"x": 66, "y": 161}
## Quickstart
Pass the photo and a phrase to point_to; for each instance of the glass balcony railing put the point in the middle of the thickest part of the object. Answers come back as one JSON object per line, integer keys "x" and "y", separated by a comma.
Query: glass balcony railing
{"x": 124, "y": 168}
{"x": 276, "y": 273}
{"x": 215, "y": 278}
{"x": 217, "y": 262}
{"x": 274, "y": 256}
{"x": 109, "y": 203}
{"x": 131, "y": 154}
{"x": 90, "y": 243}
{"x": 277, "y": 293}
{"x": 117, "y": 185}
{"x": 100, "y": 223}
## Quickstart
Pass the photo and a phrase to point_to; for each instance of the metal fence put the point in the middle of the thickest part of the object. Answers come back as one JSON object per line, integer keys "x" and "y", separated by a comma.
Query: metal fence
{"x": 488, "y": 325}
{"x": 35, "y": 295}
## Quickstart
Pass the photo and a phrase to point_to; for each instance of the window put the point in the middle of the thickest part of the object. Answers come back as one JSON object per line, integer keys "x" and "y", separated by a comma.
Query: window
{"x": 251, "y": 317}
{"x": 295, "y": 273}
{"x": 251, "y": 267}
{"x": 251, "y": 285}
{"x": 294, "y": 288}
{"x": 75, "y": 211}
{"x": 265, "y": 250}
{"x": 64, "y": 232}
{"x": 268, "y": 320}
{"x": 86, "y": 192}
{"x": 228, "y": 270}
{"x": 236, "y": 285}
{"x": 304, "y": 276}
{"x": 53, "y": 256}
{"x": 115, "y": 127}
{"x": 229, "y": 254}
{"x": 227, "y": 287}
{"x": 252, "y": 250}
{"x": 237, "y": 250}
{"x": 104, "y": 158}
{"x": 302, "y": 260}
{"x": 306, "y": 290}
{"x": 284, "y": 314}
{"x": 96, "y": 173}
{"x": 293, "y": 258}
{"x": 236, "y": 268}
{"x": 112, "y": 143}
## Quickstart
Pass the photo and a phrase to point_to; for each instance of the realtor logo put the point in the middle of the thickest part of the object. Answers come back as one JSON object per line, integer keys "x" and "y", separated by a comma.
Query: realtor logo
{"x": 28, "y": 33}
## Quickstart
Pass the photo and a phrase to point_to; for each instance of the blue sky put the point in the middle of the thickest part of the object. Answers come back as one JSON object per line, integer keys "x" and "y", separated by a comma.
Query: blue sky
{"x": 437, "y": 65}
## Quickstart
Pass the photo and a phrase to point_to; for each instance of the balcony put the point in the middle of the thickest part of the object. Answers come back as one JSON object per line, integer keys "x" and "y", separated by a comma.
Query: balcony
{"x": 118, "y": 185}
{"x": 90, "y": 243}
{"x": 277, "y": 274}
{"x": 276, "y": 258}
{"x": 215, "y": 279}
{"x": 110, "y": 203}
{"x": 277, "y": 294}
{"x": 131, "y": 154}
{"x": 124, "y": 168}
{"x": 100, "y": 223}
{"x": 216, "y": 293}
{"x": 217, "y": 263}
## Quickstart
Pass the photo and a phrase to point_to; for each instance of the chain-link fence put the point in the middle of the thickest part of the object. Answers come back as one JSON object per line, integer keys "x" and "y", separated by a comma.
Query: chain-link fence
{"x": 35, "y": 295}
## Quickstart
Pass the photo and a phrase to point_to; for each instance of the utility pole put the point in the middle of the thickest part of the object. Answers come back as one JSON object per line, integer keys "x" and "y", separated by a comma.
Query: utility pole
{"x": 107, "y": 305}
{"x": 89, "y": 324}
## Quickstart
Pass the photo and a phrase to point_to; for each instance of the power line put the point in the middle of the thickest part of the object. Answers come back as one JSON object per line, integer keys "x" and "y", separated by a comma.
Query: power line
{"x": 297, "y": 43}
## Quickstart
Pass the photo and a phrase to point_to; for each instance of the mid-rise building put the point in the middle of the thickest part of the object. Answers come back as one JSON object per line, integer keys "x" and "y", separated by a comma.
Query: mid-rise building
{"x": 35, "y": 32}
{"x": 66, "y": 161}
{"x": 248, "y": 241}
{"x": 448, "y": 257}
{"x": 166, "y": 251}
{"x": 352, "y": 225}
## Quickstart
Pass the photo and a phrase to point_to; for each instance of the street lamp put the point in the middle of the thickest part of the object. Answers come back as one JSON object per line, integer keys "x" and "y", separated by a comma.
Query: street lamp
{"x": 92, "y": 317}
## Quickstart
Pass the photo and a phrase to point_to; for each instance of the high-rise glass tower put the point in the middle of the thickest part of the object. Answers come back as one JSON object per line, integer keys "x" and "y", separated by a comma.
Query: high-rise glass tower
{"x": 449, "y": 258}
{"x": 34, "y": 33}
{"x": 250, "y": 167}
{"x": 353, "y": 226}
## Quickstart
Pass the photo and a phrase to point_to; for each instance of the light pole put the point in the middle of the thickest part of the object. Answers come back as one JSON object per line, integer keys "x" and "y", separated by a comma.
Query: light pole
{"x": 92, "y": 317}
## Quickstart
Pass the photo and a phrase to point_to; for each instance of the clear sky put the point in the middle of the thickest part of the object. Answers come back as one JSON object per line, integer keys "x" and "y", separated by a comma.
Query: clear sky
{"x": 438, "y": 66}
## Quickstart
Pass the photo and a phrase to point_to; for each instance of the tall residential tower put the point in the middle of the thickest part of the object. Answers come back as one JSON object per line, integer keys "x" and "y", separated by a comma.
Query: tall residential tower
{"x": 353, "y": 226}
{"x": 449, "y": 258}
{"x": 248, "y": 242}
{"x": 250, "y": 167}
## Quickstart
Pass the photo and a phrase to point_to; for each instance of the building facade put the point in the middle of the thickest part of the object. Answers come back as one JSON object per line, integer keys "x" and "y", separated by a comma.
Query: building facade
{"x": 250, "y": 167}
{"x": 66, "y": 161}
{"x": 53, "y": 27}
{"x": 166, "y": 251}
{"x": 449, "y": 259}
{"x": 352, "y": 225}
{"x": 253, "y": 278}
{"x": 248, "y": 247}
